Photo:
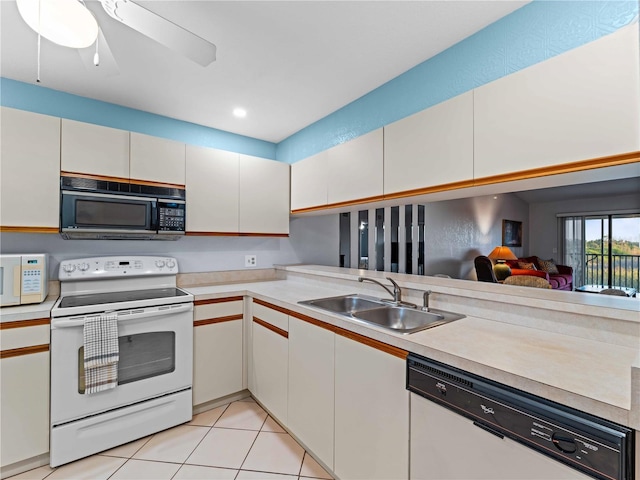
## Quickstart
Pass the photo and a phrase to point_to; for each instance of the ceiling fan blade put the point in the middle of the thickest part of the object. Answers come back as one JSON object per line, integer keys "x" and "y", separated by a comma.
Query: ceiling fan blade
{"x": 161, "y": 30}
{"x": 107, "y": 66}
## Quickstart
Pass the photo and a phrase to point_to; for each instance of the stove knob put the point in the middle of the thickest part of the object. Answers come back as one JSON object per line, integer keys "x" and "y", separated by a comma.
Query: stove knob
{"x": 68, "y": 267}
{"x": 563, "y": 443}
{"x": 159, "y": 263}
{"x": 171, "y": 263}
{"x": 83, "y": 267}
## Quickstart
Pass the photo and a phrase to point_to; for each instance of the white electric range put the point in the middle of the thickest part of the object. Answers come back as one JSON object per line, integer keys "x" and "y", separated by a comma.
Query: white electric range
{"x": 155, "y": 340}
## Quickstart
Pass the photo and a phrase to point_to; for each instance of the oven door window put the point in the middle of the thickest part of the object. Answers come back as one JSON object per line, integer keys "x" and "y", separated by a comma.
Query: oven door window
{"x": 142, "y": 356}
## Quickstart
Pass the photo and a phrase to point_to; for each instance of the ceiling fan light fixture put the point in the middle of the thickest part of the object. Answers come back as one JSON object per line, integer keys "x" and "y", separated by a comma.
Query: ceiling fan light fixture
{"x": 64, "y": 22}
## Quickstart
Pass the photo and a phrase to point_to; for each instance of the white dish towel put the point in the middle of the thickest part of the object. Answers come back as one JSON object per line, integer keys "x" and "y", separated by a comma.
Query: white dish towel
{"x": 101, "y": 353}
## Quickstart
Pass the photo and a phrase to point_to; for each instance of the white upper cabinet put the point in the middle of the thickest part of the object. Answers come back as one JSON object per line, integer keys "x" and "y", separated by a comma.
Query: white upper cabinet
{"x": 264, "y": 196}
{"x": 30, "y": 180}
{"x": 212, "y": 189}
{"x": 355, "y": 168}
{"x": 94, "y": 150}
{"x": 156, "y": 159}
{"x": 580, "y": 105}
{"x": 431, "y": 147}
{"x": 309, "y": 182}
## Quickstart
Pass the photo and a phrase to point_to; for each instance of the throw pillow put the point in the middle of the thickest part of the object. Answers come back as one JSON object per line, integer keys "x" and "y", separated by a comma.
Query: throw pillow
{"x": 526, "y": 266}
{"x": 548, "y": 266}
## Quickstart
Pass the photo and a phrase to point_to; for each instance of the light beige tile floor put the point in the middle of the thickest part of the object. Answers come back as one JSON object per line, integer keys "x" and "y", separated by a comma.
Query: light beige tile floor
{"x": 238, "y": 441}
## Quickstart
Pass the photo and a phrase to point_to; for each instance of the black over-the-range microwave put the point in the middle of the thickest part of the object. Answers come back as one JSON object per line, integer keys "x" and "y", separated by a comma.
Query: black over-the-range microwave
{"x": 107, "y": 210}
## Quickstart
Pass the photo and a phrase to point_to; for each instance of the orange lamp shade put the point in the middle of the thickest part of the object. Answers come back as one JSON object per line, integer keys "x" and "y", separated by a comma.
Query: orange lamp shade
{"x": 502, "y": 253}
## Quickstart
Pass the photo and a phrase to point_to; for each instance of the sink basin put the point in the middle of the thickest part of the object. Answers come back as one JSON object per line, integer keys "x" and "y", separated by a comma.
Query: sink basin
{"x": 372, "y": 311}
{"x": 405, "y": 320}
{"x": 345, "y": 304}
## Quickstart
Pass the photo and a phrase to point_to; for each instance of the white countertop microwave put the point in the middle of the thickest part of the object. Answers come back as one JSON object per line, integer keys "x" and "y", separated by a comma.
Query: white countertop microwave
{"x": 23, "y": 279}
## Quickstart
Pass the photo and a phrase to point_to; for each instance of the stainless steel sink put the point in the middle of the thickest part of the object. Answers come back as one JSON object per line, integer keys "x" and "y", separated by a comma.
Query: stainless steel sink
{"x": 372, "y": 311}
{"x": 405, "y": 320}
{"x": 345, "y": 304}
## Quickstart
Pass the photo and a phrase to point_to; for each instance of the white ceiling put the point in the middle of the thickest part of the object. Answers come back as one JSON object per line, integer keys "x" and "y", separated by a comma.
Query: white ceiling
{"x": 620, "y": 187}
{"x": 288, "y": 63}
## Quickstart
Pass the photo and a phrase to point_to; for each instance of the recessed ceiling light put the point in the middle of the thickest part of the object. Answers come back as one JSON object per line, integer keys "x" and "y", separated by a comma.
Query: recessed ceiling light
{"x": 239, "y": 112}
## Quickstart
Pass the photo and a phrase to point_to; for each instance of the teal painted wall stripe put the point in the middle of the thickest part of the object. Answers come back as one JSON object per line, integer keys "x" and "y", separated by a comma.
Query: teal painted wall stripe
{"x": 531, "y": 34}
{"x": 39, "y": 99}
{"x": 535, "y": 32}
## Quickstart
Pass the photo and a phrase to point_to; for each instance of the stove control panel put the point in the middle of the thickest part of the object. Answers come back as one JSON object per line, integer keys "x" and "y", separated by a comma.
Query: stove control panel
{"x": 116, "y": 267}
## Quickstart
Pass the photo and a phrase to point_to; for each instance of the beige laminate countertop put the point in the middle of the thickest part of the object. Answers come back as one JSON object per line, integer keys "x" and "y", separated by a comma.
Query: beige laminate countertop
{"x": 28, "y": 312}
{"x": 588, "y": 375}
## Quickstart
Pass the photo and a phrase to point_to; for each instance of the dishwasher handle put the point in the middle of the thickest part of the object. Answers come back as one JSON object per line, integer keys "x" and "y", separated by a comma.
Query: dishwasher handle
{"x": 127, "y": 315}
{"x": 487, "y": 428}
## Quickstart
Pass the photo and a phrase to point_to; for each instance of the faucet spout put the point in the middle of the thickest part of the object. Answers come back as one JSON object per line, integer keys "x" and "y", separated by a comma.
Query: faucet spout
{"x": 397, "y": 291}
{"x": 393, "y": 294}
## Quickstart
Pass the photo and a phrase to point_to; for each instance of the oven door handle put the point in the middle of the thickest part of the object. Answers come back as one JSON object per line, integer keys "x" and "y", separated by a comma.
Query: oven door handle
{"x": 127, "y": 315}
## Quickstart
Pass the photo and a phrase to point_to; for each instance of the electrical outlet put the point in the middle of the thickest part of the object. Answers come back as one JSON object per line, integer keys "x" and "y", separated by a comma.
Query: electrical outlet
{"x": 250, "y": 261}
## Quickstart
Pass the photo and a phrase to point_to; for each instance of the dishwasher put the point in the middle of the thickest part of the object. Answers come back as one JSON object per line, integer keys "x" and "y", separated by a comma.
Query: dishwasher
{"x": 467, "y": 427}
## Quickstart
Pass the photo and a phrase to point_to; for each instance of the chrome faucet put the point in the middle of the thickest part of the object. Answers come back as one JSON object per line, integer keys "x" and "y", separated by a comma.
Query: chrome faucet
{"x": 425, "y": 301}
{"x": 397, "y": 291}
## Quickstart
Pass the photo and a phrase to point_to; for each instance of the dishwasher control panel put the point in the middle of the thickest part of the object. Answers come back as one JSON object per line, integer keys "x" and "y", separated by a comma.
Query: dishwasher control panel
{"x": 592, "y": 445}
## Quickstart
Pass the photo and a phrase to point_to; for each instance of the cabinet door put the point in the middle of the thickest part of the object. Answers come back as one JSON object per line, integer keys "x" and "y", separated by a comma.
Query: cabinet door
{"x": 30, "y": 180}
{"x": 311, "y": 387}
{"x": 580, "y": 105}
{"x": 372, "y": 413}
{"x": 355, "y": 168}
{"x": 217, "y": 350}
{"x": 24, "y": 402}
{"x": 270, "y": 352}
{"x": 212, "y": 190}
{"x": 264, "y": 196}
{"x": 309, "y": 182}
{"x": 432, "y": 147}
{"x": 94, "y": 150}
{"x": 156, "y": 159}
{"x": 269, "y": 360}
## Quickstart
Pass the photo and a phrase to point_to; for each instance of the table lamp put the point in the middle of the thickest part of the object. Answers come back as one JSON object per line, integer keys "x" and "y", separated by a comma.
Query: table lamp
{"x": 499, "y": 255}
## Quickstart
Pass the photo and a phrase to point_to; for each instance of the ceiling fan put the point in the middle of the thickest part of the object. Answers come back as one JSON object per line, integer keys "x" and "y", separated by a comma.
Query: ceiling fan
{"x": 70, "y": 23}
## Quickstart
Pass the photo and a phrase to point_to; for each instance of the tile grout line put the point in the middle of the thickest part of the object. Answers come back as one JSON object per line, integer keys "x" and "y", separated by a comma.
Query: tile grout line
{"x": 209, "y": 427}
{"x": 302, "y": 463}
{"x": 252, "y": 444}
{"x": 203, "y": 437}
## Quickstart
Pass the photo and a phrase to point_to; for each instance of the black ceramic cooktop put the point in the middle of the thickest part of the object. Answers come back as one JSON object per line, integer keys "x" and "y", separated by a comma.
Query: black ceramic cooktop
{"x": 119, "y": 297}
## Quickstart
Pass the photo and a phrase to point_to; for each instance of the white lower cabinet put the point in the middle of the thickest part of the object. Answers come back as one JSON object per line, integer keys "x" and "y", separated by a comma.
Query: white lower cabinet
{"x": 269, "y": 362}
{"x": 24, "y": 394}
{"x": 217, "y": 349}
{"x": 311, "y": 387}
{"x": 371, "y": 413}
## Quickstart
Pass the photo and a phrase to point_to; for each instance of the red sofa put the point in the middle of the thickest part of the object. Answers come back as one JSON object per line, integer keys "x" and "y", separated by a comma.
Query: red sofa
{"x": 563, "y": 280}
